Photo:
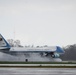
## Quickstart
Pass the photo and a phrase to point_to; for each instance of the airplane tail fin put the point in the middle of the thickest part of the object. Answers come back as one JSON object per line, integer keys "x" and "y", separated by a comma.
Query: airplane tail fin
{"x": 4, "y": 46}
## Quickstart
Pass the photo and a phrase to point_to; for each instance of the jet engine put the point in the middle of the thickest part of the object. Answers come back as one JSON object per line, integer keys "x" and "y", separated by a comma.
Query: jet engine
{"x": 55, "y": 55}
{"x": 52, "y": 54}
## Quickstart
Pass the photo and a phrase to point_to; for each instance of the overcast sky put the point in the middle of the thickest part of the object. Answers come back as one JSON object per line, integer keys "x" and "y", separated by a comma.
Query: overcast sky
{"x": 39, "y": 22}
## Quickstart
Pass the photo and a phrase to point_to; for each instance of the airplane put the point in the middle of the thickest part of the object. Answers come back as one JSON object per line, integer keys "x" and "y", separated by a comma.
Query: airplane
{"x": 53, "y": 51}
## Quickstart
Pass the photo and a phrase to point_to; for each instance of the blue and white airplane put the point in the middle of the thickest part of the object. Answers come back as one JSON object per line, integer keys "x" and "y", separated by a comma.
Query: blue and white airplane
{"x": 53, "y": 51}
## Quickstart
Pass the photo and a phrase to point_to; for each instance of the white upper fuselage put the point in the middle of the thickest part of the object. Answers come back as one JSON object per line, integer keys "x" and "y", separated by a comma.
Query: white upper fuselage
{"x": 33, "y": 49}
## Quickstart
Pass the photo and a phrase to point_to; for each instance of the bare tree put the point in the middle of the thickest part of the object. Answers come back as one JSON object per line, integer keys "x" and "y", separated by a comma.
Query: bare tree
{"x": 11, "y": 42}
{"x": 17, "y": 43}
{"x": 14, "y": 43}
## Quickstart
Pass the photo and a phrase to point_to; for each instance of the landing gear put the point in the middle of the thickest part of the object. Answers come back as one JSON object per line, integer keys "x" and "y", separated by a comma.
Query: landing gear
{"x": 26, "y": 60}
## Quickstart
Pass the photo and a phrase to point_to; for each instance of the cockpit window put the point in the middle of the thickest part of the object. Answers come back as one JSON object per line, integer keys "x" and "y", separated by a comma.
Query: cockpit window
{"x": 0, "y": 39}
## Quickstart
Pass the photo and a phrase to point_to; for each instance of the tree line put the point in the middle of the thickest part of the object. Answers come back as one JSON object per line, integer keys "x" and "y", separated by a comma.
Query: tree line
{"x": 14, "y": 43}
{"x": 70, "y": 53}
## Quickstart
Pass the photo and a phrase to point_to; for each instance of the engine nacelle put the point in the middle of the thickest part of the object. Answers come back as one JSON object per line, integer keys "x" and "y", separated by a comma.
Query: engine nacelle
{"x": 44, "y": 54}
{"x": 55, "y": 55}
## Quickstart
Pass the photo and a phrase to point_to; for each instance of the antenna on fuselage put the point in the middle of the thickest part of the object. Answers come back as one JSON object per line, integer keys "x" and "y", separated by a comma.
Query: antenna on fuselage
{"x": 14, "y": 35}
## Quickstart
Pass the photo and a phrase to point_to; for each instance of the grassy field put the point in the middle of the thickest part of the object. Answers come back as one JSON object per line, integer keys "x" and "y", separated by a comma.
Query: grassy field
{"x": 40, "y": 66}
{"x": 37, "y": 66}
{"x": 8, "y": 62}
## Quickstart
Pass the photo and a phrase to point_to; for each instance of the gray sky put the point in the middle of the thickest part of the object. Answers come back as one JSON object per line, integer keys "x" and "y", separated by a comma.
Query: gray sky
{"x": 39, "y": 22}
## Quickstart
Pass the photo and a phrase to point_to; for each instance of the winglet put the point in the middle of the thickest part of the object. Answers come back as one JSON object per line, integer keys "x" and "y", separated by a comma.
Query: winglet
{"x": 60, "y": 50}
{"x": 3, "y": 43}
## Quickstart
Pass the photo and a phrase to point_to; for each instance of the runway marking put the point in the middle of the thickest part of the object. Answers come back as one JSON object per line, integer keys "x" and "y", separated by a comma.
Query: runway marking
{"x": 37, "y": 64}
{"x": 37, "y": 71}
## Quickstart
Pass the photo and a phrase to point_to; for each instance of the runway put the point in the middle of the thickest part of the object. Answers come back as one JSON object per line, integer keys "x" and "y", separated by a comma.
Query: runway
{"x": 37, "y": 71}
